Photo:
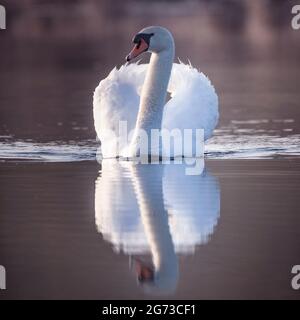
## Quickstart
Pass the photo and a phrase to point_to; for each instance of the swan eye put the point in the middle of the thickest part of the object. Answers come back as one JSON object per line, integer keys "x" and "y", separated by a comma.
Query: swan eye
{"x": 138, "y": 44}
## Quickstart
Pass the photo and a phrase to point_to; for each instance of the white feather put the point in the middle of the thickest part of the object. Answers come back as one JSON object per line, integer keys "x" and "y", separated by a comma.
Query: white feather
{"x": 193, "y": 103}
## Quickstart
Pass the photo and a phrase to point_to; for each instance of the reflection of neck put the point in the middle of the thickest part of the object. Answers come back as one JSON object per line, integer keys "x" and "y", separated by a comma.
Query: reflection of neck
{"x": 148, "y": 187}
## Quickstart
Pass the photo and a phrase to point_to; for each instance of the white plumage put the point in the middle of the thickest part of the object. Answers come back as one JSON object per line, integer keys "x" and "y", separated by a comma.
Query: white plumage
{"x": 193, "y": 103}
{"x": 136, "y": 93}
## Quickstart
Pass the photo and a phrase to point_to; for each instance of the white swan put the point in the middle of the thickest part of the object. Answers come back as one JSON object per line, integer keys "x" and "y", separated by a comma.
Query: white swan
{"x": 137, "y": 93}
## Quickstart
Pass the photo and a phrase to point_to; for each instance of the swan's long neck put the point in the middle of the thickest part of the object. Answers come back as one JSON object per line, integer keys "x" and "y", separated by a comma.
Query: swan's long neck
{"x": 154, "y": 92}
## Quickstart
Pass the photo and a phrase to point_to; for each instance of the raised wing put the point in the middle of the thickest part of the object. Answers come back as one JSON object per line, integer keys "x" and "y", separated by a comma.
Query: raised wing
{"x": 117, "y": 99}
{"x": 194, "y": 102}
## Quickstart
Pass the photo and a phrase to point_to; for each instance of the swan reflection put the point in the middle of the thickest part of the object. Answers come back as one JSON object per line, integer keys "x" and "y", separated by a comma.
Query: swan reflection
{"x": 156, "y": 209}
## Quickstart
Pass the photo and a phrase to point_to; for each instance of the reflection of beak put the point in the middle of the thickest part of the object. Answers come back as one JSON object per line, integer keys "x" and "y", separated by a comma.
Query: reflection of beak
{"x": 144, "y": 273}
{"x": 137, "y": 50}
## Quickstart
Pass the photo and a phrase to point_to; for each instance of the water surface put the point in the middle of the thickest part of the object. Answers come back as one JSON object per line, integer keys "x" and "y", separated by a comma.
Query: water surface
{"x": 71, "y": 227}
{"x": 77, "y": 229}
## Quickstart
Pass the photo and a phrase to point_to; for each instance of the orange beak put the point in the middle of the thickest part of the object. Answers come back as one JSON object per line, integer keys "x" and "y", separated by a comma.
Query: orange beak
{"x": 138, "y": 49}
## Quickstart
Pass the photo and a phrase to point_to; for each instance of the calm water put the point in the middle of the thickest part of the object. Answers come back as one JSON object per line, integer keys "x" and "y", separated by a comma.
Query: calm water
{"x": 71, "y": 227}
{"x": 77, "y": 230}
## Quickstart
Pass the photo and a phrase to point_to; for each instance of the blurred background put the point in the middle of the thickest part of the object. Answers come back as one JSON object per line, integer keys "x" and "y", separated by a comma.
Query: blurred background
{"x": 53, "y": 55}
{"x": 55, "y": 52}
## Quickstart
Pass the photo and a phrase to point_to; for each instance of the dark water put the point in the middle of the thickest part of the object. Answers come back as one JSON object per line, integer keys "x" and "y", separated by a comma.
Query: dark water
{"x": 235, "y": 229}
{"x": 71, "y": 227}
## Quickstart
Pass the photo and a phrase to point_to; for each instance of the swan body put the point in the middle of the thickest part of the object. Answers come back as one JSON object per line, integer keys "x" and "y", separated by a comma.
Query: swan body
{"x": 135, "y": 95}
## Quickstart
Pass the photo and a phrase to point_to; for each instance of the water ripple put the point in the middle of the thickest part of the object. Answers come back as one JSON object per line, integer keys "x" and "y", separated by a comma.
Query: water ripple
{"x": 222, "y": 146}
{"x": 56, "y": 151}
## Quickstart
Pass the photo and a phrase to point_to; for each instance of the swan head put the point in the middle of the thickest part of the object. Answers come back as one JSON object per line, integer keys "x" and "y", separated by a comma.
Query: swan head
{"x": 153, "y": 39}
